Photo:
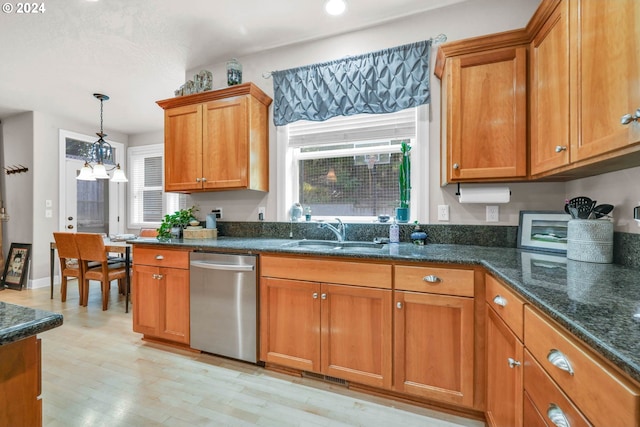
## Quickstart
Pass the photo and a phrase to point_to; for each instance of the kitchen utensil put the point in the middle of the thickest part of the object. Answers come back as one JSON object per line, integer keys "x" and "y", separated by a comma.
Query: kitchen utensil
{"x": 602, "y": 210}
{"x": 583, "y": 204}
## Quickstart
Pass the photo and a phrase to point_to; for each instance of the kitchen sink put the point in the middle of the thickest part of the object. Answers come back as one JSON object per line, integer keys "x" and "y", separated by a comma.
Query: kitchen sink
{"x": 334, "y": 245}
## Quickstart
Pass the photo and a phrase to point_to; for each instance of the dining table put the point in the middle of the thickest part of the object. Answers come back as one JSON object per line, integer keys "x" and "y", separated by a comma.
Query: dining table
{"x": 111, "y": 246}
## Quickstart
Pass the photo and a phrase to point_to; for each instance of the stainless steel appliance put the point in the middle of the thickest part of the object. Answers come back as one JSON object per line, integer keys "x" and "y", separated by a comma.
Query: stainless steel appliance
{"x": 224, "y": 305}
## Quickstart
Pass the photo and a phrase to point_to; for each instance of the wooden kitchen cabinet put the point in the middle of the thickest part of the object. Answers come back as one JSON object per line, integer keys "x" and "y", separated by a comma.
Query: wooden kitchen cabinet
{"x": 21, "y": 383}
{"x": 343, "y": 331}
{"x": 605, "y": 38}
{"x": 434, "y": 334}
{"x": 604, "y": 396}
{"x": 217, "y": 140}
{"x": 549, "y": 92}
{"x": 484, "y": 109}
{"x": 161, "y": 294}
{"x": 505, "y": 349}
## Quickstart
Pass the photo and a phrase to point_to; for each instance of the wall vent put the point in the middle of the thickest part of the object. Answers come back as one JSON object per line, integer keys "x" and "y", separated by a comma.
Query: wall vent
{"x": 327, "y": 378}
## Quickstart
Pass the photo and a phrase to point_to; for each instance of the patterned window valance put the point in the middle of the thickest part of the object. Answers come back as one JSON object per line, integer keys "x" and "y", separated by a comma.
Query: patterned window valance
{"x": 385, "y": 81}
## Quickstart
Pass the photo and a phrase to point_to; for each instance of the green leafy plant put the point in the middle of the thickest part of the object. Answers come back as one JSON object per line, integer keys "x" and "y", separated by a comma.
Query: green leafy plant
{"x": 179, "y": 218}
{"x": 404, "y": 176}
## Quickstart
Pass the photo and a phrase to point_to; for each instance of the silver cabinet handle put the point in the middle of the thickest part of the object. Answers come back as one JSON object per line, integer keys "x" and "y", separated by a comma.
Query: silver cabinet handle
{"x": 315, "y": 295}
{"x": 628, "y": 118}
{"x": 556, "y": 416}
{"x": 204, "y": 179}
{"x": 159, "y": 257}
{"x": 456, "y": 166}
{"x": 560, "y": 148}
{"x": 559, "y": 360}
{"x": 500, "y": 300}
{"x": 399, "y": 304}
{"x": 197, "y": 179}
{"x": 323, "y": 296}
{"x": 513, "y": 363}
{"x": 157, "y": 276}
{"x": 432, "y": 279}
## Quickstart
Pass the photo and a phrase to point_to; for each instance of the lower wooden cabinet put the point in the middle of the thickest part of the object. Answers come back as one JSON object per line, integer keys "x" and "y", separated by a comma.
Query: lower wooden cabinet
{"x": 504, "y": 374}
{"x": 337, "y": 330}
{"x": 21, "y": 383}
{"x": 161, "y": 294}
{"x": 434, "y": 346}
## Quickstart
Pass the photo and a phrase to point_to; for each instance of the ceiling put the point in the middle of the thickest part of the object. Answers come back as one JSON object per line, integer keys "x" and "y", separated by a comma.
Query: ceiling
{"x": 133, "y": 50}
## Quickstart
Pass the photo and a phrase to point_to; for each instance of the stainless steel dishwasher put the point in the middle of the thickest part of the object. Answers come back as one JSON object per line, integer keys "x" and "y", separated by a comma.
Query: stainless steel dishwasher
{"x": 224, "y": 305}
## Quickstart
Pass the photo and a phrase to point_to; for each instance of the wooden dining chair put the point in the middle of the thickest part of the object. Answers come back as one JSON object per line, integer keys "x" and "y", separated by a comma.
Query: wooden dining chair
{"x": 69, "y": 263}
{"x": 92, "y": 249}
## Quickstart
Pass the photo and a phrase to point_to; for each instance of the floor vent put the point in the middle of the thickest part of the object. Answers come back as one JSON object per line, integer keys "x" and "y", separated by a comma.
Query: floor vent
{"x": 327, "y": 378}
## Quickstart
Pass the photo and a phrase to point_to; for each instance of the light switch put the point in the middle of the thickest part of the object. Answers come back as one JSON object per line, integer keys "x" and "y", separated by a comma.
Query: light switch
{"x": 48, "y": 203}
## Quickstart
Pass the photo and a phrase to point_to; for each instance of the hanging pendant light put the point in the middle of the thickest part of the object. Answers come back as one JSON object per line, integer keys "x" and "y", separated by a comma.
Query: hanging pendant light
{"x": 100, "y": 151}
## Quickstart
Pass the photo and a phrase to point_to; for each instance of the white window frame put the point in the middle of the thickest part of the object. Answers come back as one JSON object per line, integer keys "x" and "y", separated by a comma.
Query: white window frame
{"x": 170, "y": 201}
{"x": 288, "y": 183}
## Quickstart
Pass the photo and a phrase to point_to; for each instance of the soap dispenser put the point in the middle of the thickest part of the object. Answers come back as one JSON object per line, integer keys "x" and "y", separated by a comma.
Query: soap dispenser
{"x": 394, "y": 232}
{"x": 418, "y": 237}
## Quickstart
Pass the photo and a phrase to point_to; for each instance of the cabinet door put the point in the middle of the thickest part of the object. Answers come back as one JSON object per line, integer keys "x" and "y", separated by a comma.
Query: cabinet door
{"x": 485, "y": 118}
{"x": 604, "y": 75}
{"x": 434, "y": 346}
{"x": 504, "y": 377}
{"x": 146, "y": 297}
{"x": 183, "y": 148}
{"x": 356, "y": 334}
{"x": 549, "y": 89}
{"x": 226, "y": 143}
{"x": 174, "y": 305}
{"x": 290, "y": 323}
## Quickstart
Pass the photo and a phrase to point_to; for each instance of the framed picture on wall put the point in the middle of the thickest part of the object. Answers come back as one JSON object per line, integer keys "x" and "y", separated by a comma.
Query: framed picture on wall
{"x": 16, "y": 269}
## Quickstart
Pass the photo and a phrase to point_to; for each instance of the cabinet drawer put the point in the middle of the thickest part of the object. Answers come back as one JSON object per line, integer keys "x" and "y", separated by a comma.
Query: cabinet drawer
{"x": 328, "y": 271}
{"x": 604, "y": 396}
{"x": 447, "y": 281}
{"x": 547, "y": 398}
{"x": 161, "y": 257}
{"x": 507, "y": 304}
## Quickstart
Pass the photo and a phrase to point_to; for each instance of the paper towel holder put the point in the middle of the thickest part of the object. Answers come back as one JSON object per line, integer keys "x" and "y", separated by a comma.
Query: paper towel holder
{"x": 458, "y": 191}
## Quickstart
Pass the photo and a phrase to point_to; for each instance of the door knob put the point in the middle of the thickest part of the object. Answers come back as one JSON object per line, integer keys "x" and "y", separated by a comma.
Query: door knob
{"x": 70, "y": 218}
{"x": 70, "y": 226}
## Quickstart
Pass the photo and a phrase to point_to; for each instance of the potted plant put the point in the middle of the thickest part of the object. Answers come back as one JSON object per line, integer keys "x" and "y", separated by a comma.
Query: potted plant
{"x": 173, "y": 224}
{"x": 404, "y": 182}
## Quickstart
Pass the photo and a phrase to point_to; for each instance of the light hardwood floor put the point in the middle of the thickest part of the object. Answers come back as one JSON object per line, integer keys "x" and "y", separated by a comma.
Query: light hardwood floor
{"x": 98, "y": 372}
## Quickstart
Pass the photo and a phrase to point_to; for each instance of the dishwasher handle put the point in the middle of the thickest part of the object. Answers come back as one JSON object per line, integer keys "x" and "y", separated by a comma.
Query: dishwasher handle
{"x": 228, "y": 267}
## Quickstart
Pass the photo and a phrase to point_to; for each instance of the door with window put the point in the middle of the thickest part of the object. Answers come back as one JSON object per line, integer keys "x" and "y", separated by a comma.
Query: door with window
{"x": 88, "y": 206}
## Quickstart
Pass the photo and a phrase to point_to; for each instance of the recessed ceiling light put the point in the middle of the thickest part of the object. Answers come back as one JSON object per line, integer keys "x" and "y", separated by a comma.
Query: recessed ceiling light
{"x": 335, "y": 7}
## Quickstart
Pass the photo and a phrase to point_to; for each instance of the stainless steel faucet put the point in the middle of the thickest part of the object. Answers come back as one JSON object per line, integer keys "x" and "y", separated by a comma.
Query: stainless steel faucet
{"x": 340, "y": 232}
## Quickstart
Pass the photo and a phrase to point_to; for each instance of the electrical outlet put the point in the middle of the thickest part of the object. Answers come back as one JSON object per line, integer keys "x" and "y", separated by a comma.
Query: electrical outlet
{"x": 48, "y": 213}
{"x": 493, "y": 213}
{"x": 218, "y": 212}
{"x": 261, "y": 213}
{"x": 443, "y": 212}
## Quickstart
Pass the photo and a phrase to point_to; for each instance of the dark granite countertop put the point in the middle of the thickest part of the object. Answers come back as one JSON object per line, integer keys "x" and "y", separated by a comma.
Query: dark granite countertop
{"x": 598, "y": 303}
{"x": 18, "y": 322}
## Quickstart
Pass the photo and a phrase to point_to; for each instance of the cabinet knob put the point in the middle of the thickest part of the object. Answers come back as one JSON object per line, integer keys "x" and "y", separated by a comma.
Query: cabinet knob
{"x": 432, "y": 279}
{"x": 628, "y": 118}
{"x": 513, "y": 362}
{"x": 559, "y": 360}
{"x": 456, "y": 166}
{"x": 561, "y": 148}
{"x": 500, "y": 300}
{"x": 197, "y": 179}
{"x": 557, "y": 416}
{"x": 323, "y": 296}
{"x": 159, "y": 257}
{"x": 157, "y": 276}
{"x": 315, "y": 295}
{"x": 204, "y": 179}
{"x": 399, "y": 304}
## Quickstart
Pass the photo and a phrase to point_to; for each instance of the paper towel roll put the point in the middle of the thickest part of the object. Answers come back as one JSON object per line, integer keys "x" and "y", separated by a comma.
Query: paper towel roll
{"x": 485, "y": 195}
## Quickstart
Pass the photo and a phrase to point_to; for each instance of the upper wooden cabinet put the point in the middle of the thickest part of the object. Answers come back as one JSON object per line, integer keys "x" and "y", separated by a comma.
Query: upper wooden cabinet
{"x": 549, "y": 92}
{"x": 217, "y": 140}
{"x": 484, "y": 109}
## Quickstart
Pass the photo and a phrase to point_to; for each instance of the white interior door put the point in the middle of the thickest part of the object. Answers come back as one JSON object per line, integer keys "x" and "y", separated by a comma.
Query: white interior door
{"x": 89, "y": 206}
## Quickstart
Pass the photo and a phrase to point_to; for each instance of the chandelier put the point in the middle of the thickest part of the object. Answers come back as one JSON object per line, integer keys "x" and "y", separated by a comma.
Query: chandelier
{"x": 100, "y": 152}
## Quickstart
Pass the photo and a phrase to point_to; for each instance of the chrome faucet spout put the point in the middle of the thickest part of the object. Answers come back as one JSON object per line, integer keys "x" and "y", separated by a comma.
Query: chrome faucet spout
{"x": 340, "y": 231}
